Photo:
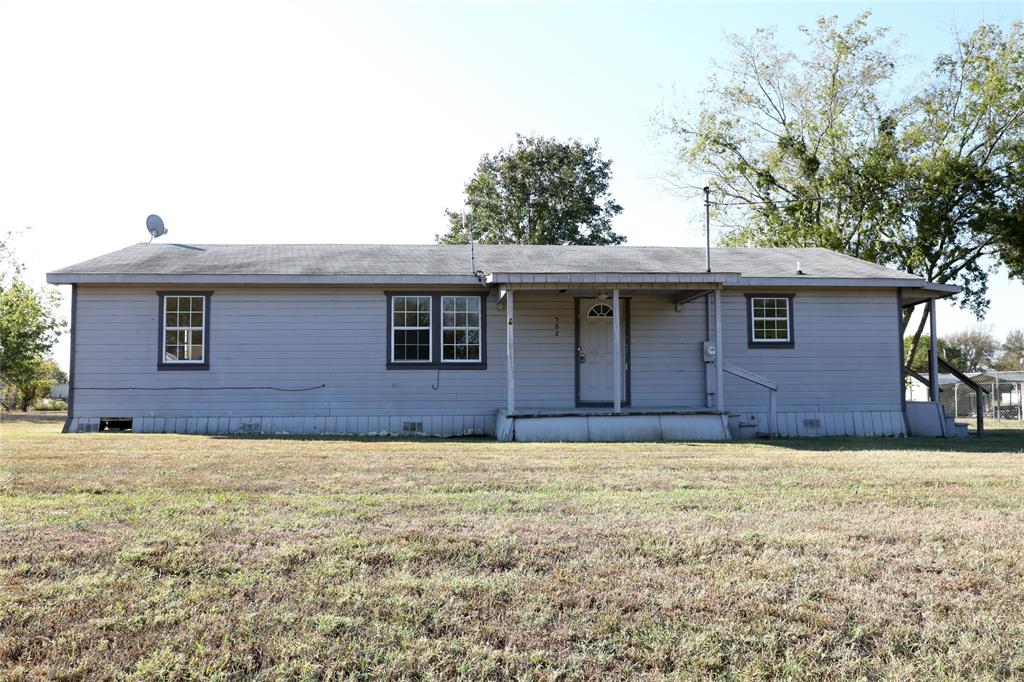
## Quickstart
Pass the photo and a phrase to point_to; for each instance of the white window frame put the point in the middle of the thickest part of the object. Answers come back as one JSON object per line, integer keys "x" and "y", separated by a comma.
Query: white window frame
{"x": 478, "y": 328}
{"x": 185, "y": 328}
{"x": 754, "y": 318}
{"x": 429, "y": 327}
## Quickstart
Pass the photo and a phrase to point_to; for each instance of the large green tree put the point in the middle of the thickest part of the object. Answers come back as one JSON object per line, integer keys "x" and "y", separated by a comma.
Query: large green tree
{"x": 1011, "y": 356}
{"x": 29, "y": 326}
{"x": 971, "y": 350}
{"x": 812, "y": 149}
{"x": 538, "y": 191}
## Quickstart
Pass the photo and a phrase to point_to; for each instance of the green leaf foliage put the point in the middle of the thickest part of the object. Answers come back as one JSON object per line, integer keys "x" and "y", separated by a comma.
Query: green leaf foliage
{"x": 1011, "y": 357}
{"x": 29, "y": 327}
{"x": 813, "y": 149}
{"x": 971, "y": 350}
{"x": 538, "y": 191}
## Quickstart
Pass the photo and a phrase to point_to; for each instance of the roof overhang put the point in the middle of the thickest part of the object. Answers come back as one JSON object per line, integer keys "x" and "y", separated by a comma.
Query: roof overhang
{"x": 384, "y": 280}
{"x": 928, "y": 291}
{"x": 914, "y": 290}
{"x": 553, "y": 280}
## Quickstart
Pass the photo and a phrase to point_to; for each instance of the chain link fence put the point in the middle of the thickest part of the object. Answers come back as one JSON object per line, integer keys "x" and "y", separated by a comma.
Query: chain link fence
{"x": 1003, "y": 400}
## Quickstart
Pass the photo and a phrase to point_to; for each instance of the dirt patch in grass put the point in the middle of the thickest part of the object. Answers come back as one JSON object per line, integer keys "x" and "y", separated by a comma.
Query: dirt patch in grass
{"x": 170, "y": 557}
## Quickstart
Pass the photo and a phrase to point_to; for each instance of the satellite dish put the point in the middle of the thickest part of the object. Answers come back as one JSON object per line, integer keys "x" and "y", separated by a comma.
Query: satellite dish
{"x": 155, "y": 226}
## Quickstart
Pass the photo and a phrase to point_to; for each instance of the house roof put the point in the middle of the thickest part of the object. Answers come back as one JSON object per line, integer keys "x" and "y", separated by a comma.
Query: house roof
{"x": 401, "y": 262}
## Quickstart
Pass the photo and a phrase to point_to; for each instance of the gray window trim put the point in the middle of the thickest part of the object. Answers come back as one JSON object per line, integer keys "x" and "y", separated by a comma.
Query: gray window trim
{"x": 751, "y": 342}
{"x": 435, "y": 333}
{"x": 161, "y": 364}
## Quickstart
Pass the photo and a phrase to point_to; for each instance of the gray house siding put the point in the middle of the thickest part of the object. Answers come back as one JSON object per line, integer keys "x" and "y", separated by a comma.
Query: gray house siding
{"x": 665, "y": 352}
{"x": 841, "y": 377}
{"x": 263, "y": 339}
{"x": 331, "y": 340}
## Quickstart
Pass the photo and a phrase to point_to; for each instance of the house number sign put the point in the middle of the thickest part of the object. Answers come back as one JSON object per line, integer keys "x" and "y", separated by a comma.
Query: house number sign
{"x": 556, "y": 326}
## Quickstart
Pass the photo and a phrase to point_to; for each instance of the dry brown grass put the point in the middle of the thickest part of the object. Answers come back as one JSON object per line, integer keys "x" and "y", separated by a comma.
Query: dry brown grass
{"x": 153, "y": 556}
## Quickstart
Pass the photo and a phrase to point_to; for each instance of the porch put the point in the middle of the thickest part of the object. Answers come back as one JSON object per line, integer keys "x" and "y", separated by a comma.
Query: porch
{"x": 626, "y": 387}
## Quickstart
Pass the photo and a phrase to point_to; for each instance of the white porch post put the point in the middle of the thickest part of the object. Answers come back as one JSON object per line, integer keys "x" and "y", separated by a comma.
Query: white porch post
{"x": 719, "y": 379}
{"x": 933, "y": 353}
{"x": 510, "y": 354}
{"x": 617, "y": 350}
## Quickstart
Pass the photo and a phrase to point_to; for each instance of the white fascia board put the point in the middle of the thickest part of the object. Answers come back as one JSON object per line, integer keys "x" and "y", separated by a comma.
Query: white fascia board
{"x": 443, "y": 280}
{"x": 574, "y": 278}
{"x": 947, "y": 289}
{"x": 804, "y": 281}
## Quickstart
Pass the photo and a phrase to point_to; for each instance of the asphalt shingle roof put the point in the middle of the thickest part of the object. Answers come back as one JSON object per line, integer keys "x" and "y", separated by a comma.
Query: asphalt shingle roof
{"x": 440, "y": 260}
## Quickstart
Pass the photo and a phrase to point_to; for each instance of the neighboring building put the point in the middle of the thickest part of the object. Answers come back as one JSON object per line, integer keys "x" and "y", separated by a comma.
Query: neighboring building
{"x": 524, "y": 342}
{"x": 1003, "y": 400}
{"x": 59, "y": 391}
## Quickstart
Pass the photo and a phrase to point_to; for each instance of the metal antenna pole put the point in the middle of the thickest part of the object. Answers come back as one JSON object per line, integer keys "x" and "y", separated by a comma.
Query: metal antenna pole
{"x": 707, "y": 225}
{"x": 472, "y": 248}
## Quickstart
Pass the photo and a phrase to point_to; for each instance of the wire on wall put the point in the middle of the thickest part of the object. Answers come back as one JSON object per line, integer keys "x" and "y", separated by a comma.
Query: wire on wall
{"x": 198, "y": 388}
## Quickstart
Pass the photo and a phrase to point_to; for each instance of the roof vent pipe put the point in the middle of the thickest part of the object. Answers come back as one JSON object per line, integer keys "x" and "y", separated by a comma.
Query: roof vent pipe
{"x": 798, "y": 270}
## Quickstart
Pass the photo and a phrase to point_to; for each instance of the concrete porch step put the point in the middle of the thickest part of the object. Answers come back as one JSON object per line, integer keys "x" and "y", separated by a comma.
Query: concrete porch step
{"x": 613, "y": 428}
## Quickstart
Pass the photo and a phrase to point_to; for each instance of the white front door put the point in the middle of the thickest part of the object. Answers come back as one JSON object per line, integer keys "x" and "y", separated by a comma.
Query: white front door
{"x": 595, "y": 354}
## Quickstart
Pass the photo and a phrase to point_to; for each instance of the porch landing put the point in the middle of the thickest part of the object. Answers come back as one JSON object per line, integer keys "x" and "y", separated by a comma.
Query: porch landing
{"x": 606, "y": 425}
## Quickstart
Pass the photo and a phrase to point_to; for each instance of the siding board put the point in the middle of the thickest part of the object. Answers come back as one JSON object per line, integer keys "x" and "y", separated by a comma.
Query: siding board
{"x": 299, "y": 337}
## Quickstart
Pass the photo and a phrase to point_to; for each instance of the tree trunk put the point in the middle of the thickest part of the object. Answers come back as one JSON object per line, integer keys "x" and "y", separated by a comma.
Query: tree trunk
{"x": 917, "y": 337}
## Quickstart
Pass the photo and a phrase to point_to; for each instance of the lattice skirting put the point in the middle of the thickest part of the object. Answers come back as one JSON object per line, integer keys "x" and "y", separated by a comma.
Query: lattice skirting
{"x": 837, "y": 423}
{"x": 458, "y": 425}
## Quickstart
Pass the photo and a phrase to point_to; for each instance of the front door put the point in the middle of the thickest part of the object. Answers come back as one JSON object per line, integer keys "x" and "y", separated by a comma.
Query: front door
{"x": 595, "y": 360}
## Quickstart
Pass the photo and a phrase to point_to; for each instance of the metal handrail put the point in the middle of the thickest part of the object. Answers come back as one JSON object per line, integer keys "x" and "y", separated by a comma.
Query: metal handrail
{"x": 978, "y": 390}
{"x": 772, "y": 387}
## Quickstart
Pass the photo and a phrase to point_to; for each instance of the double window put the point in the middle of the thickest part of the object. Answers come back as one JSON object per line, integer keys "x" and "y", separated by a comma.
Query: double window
{"x": 429, "y": 330}
{"x": 770, "y": 320}
{"x": 184, "y": 330}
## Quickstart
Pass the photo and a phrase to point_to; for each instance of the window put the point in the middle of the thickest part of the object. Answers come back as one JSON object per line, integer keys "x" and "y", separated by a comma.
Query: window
{"x": 442, "y": 330}
{"x": 410, "y": 329}
{"x": 460, "y": 329}
{"x": 770, "y": 320}
{"x": 600, "y": 310}
{"x": 184, "y": 330}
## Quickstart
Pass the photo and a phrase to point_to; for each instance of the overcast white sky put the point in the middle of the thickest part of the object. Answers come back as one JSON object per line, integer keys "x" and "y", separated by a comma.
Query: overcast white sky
{"x": 333, "y": 122}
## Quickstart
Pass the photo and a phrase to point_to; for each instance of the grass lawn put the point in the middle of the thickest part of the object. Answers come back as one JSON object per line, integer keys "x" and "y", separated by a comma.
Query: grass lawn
{"x": 159, "y": 556}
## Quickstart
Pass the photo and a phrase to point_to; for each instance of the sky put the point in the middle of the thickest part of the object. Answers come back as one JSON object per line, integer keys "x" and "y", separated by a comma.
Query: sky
{"x": 309, "y": 122}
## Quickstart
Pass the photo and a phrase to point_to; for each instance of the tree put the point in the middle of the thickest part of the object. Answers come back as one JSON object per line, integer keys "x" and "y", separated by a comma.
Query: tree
{"x": 539, "y": 191}
{"x": 808, "y": 150}
{"x": 28, "y": 329}
{"x": 918, "y": 359}
{"x": 971, "y": 350}
{"x": 1011, "y": 357}
{"x": 34, "y": 383}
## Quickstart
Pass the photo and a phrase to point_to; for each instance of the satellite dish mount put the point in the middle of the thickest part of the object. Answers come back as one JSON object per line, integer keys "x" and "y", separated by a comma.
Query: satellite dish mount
{"x": 155, "y": 226}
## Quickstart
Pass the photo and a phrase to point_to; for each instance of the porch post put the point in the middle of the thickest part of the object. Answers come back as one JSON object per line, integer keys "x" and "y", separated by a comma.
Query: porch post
{"x": 510, "y": 374}
{"x": 617, "y": 350}
{"x": 719, "y": 378}
{"x": 933, "y": 353}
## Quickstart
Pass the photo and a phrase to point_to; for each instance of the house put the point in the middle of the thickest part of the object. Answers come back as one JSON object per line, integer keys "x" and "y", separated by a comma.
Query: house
{"x": 59, "y": 391}
{"x": 519, "y": 342}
